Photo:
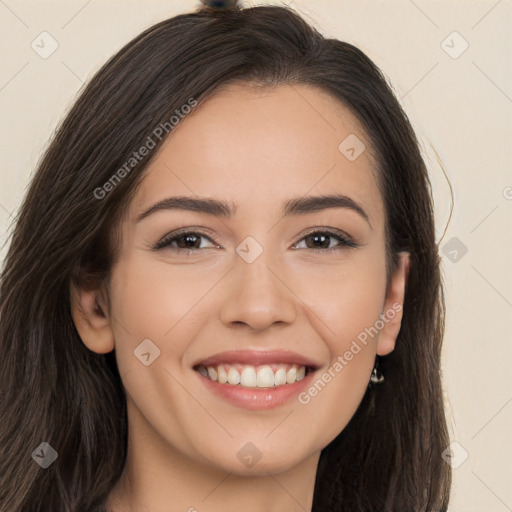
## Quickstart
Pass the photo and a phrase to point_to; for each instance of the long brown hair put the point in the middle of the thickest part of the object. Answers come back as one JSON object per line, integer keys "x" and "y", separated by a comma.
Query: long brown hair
{"x": 55, "y": 390}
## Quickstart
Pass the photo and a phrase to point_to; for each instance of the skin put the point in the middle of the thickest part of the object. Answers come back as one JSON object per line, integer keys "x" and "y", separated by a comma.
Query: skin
{"x": 256, "y": 148}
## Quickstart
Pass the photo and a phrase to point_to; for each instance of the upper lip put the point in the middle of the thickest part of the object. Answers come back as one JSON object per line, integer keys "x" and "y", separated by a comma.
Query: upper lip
{"x": 257, "y": 358}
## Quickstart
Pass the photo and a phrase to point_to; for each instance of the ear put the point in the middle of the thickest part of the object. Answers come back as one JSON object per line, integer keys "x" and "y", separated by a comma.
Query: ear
{"x": 89, "y": 309}
{"x": 393, "y": 306}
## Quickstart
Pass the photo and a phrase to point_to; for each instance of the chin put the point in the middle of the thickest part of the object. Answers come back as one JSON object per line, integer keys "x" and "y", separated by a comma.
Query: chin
{"x": 248, "y": 460}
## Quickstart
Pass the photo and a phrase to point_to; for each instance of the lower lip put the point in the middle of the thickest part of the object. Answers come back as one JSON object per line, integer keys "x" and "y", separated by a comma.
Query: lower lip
{"x": 256, "y": 398}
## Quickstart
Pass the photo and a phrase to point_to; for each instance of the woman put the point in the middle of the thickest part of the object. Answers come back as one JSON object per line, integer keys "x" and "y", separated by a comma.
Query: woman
{"x": 222, "y": 290}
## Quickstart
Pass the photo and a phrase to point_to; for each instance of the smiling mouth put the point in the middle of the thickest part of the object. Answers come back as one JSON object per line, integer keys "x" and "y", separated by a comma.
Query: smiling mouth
{"x": 249, "y": 376}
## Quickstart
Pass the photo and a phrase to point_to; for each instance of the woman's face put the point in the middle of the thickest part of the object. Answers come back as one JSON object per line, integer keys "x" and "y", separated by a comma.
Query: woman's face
{"x": 263, "y": 279}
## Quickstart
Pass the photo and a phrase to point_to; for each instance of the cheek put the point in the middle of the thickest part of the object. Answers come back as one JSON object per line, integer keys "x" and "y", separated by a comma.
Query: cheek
{"x": 347, "y": 296}
{"x": 152, "y": 300}
{"x": 139, "y": 312}
{"x": 348, "y": 303}
{"x": 150, "y": 297}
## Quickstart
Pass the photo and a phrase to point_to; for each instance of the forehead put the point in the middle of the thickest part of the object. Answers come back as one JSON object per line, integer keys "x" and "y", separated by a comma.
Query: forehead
{"x": 258, "y": 147}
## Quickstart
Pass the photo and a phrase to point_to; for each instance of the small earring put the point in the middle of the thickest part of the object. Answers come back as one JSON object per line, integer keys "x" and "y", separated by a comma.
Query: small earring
{"x": 377, "y": 377}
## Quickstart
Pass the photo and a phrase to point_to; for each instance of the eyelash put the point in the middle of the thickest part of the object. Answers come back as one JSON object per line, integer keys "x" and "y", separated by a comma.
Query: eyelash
{"x": 343, "y": 238}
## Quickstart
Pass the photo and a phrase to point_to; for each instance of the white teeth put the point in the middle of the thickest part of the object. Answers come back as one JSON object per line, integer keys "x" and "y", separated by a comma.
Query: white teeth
{"x": 265, "y": 377}
{"x": 291, "y": 375}
{"x": 251, "y": 377}
{"x": 222, "y": 374}
{"x": 248, "y": 377}
{"x": 233, "y": 377}
{"x": 280, "y": 377}
{"x": 212, "y": 373}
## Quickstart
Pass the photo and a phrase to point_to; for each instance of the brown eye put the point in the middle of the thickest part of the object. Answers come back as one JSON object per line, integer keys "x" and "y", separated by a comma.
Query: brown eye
{"x": 318, "y": 241}
{"x": 322, "y": 241}
{"x": 186, "y": 241}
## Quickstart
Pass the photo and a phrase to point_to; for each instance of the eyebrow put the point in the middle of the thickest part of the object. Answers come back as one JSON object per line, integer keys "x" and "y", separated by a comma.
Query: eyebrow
{"x": 219, "y": 208}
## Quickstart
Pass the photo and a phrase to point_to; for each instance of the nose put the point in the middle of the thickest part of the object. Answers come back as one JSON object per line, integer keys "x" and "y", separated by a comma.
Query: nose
{"x": 257, "y": 295}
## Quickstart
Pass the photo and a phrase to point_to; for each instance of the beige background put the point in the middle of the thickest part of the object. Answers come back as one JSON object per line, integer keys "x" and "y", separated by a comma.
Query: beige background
{"x": 460, "y": 106}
